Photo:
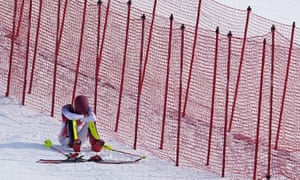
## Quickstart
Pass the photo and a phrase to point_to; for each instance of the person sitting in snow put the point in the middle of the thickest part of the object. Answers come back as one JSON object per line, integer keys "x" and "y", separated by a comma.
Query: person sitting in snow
{"x": 78, "y": 126}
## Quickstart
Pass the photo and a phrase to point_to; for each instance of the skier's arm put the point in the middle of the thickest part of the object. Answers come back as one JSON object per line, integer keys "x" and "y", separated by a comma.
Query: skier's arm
{"x": 70, "y": 115}
{"x": 90, "y": 118}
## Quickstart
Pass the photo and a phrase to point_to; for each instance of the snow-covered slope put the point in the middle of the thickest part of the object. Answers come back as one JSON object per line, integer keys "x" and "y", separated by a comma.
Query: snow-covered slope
{"x": 283, "y": 11}
{"x": 23, "y": 131}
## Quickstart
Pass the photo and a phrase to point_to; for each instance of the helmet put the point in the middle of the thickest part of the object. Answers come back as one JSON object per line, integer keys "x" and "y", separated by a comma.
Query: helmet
{"x": 81, "y": 104}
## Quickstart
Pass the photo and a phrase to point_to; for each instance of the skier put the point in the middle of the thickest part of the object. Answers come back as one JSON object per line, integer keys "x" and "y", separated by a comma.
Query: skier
{"x": 78, "y": 126}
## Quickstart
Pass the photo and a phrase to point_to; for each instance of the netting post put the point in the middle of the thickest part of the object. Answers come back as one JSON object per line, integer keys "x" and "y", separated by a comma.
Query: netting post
{"x": 35, "y": 46}
{"x": 240, "y": 68}
{"x": 27, "y": 53}
{"x": 123, "y": 67}
{"x": 139, "y": 83}
{"x": 20, "y": 17}
{"x": 213, "y": 96}
{"x": 259, "y": 108}
{"x": 59, "y": 32}
{"x": 12, "y": 44}
{"x": 192, "y": 60}
{"x": 268, "y": 176}
{"x": 167, "y": 82}
{"x": 79, "y": 51}
{"x": 99, "y": 55}
{"x": 99, "y": 3}
{"x": 229, "y": 35}
{"x": 180, "y": 95}
{"x": 285, "y": 85}
{"x": 149, "y": 41}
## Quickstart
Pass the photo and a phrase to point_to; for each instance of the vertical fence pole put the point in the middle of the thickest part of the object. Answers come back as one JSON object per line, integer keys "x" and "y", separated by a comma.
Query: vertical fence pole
{"x": 149, "y": 41}
{"x": 123, "y": 67}
{"x": 139, "y": 83}
{"x": 226, "y": 102}
{"x": 12, "y": 44}
{"x": 240, "y": 68}
{"x": 213, "y": 95}
{"x": 285, "y": 86}
{"x": 79, "y": 51}
{"x": 99, "y": 3}
{"x": 193, "y": 58}
{"x": 27, "y": 53}
{"x": 58, "y": 41}
{"x": 180, "y": 95}
{"x": 259, "y": 108}
{"x": 55, "y": 59}
{"x": 268, "y": 176}
{"x": 167, "y": 83}
{"x": 99, "y": 55}
{"x": 20, "y": 18}
{"x": 35, "y": 46}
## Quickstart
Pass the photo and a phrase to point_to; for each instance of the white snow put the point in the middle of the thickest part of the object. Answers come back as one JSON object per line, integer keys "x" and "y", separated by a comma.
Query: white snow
{"x": 23, "y": 131}
{"x": 283, "y": 11}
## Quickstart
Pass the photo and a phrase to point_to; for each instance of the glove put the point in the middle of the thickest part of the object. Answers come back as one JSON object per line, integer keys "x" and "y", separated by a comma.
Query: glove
{"x": 76, "y": 145}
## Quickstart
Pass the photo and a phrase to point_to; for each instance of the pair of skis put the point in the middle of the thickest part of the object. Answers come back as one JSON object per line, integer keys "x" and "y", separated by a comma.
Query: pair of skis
{"x": 81, "y": 159}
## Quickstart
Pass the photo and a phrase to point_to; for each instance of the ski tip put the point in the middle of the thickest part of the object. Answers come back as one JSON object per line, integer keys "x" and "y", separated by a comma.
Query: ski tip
{"x": 48, "y": 143}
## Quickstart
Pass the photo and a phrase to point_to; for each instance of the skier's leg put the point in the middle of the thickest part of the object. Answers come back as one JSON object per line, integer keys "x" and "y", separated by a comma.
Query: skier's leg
{"x": 94, "y": 138}
{"x": 63, "y": 137}
{"x": 64, "y": 141}
{"x": 75, "y": 142}
{"x": 83, "y": 133}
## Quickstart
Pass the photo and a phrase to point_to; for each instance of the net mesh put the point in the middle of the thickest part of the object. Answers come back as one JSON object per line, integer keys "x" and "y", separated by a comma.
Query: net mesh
{"x": 195, "y": 125}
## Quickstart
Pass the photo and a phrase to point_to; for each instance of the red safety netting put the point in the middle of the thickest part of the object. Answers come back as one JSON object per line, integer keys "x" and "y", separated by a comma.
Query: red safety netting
{"x": 117, "y": 47}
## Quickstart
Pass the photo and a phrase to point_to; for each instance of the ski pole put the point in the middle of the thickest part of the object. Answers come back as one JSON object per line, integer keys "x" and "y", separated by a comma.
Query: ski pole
{"x": 108, "y": 147}
{"x": 48, "y": 144}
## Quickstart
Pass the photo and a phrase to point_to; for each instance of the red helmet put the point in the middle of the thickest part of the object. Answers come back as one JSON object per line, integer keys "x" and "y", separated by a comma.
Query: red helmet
{"x": 81, "y": 104}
